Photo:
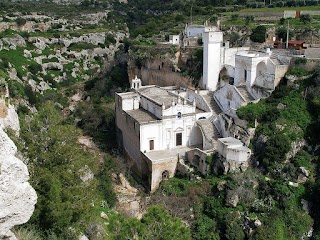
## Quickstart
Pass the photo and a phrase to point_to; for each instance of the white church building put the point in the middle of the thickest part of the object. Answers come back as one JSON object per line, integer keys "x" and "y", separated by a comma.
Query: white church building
{"x": 161, "y": 127}
{"x": 258, "y": 71}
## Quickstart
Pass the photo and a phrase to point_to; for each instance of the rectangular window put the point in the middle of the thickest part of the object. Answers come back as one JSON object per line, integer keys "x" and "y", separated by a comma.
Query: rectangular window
{"x": 178, "y": 139}
{"x": 151, "y": 144}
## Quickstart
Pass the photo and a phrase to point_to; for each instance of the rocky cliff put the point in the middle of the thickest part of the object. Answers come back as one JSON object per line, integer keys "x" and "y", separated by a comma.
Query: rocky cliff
{"x": 17, "y": 197}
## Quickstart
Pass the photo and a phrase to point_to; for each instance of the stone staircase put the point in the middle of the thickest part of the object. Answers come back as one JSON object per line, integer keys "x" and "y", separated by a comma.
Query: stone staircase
{"x": 209, "y": 130}
{"x": 215, "y": 109}
{"x": 274, "y": 58}
{"x": 276, "y": 55}
{"x": 207, "y": 125}
{"x": 244, "y": 92}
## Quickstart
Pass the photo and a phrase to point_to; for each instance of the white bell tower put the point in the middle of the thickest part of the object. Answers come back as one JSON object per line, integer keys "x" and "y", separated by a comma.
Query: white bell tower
{"x": 136, "y": 83}
{"x": 212, "y": 42}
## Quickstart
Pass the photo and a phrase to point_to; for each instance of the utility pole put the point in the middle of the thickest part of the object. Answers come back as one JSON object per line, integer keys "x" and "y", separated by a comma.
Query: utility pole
{"x": 287, "y": 42}
{"x": 191, "y": 13}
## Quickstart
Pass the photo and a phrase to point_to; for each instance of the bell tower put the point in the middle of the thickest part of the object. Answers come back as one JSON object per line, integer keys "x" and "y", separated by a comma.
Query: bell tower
{"x": 212, "y": 42}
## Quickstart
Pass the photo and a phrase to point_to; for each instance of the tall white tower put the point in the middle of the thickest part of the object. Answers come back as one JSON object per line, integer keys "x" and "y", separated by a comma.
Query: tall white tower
{"x": 212, "y": 42}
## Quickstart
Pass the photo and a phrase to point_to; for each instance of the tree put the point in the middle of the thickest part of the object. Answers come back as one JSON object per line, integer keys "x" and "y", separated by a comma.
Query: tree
{"x": 259, "y": 34}
{"x": 234, "y": 17}
{"x": 234, "y": 38}
{"x": 55, "y": 163}
{"x": 205, "y": 228}
{"x": 281, "y": 32}
{"x": 249, "y": 19}
{"x": 161, "y": 225}
{"x": 20, "y": 21}
{"x": 281, "y": 21}
{"x": 305, "y": 18}
{"x": 157, "y": 223}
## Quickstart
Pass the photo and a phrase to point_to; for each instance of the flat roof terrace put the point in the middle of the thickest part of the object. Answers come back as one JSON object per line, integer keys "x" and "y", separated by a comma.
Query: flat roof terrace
{"x": 142, "y": 116}
{"x": 161, "y": 96}
{"x": 164, "y": 155}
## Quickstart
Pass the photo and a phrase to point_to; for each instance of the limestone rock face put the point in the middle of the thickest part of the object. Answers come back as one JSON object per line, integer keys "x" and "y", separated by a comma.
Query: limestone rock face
{"x": 232, "y": 199}
{"x": 17, "y": 40}
{"x": 17, "y": 197}
{"x": 129, "y": 202}
{"x": 11, "y": 119}
{"x": 224, "y": 166}
{"x": 296, "y": 146}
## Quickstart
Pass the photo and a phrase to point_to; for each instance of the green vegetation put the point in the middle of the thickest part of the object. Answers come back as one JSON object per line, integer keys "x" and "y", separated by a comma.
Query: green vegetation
{"x": 299, "y": 72}
{"x": 98, "y": 116}
{"x": 56, "y": 164}
{"x": 81, "y": 46}
{"x": 155, "y": 224}
{"x": 259, "y": 34}
{"x": 176, "y": 186}
{"x": 16, "y": 58}
{"x": 20, "y": 21}
{"x": 49, "y": 139}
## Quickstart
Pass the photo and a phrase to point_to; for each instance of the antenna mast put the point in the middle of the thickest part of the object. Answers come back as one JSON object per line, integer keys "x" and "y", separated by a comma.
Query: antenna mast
{"x": 191, "y": 12}
{"x": 287, "y": 43}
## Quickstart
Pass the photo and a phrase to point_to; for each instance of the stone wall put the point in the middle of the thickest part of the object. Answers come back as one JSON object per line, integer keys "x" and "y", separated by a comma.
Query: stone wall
{"x": 275, "y": 15}
{"x": 228, "y": 98}
{"x": 200, "y": 102}
{"x": 128, "y": 135}
{"x": 165, "y": 68}
{"x": 233, "y": 127}
{"x": 279, "y": 73}
{"x": 161, "y": 170}
{"x": 198, "y": 159}
{"x": 160, "y": 77}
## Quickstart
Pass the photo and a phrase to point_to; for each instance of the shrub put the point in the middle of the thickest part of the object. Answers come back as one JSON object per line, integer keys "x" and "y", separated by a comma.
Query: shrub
{"x": 298, "y": 72}
{"x": 20, "y": 21}
{"x": 234, "y": 17}
{"x": 249, "y": 19}
{"x": 305, "y": 18}
{"x": 175, "y": 186}
{"x": 281, "y": 32}
{"x": 27, "y": 233}
{"x": 276, "y": 148}
{"x": 300, "y": 61}
{"x": 34, "y": 68}
{"x": 259, "y": 34}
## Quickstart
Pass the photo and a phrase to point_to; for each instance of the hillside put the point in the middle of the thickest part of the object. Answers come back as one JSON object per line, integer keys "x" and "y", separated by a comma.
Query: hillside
{"x": 61, "y": 63}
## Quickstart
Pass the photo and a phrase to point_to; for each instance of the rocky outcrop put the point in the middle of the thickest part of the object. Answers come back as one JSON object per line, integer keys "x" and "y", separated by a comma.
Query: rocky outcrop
{"x": 10, "y": 120}
{"x": 17, "y": 197}
{"x": 224, "y": 166}
{"x": 13, "y": 42}
{"x": 232, "y": 199}
{"x": 296, "y": 146}
{"x": 234, "y": 127}
{"x": 129, "y": 201}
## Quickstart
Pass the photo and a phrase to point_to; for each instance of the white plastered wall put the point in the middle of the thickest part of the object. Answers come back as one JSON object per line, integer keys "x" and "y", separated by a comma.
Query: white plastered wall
{"x": 164, "y": 133}
{"x": 211, "y": 59}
